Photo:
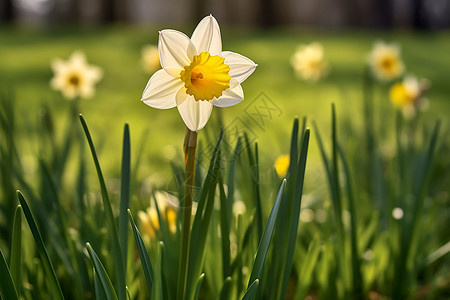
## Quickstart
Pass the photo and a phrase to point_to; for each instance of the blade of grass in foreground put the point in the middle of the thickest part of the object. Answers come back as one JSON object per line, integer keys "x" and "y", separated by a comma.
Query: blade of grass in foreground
{"x": 143, "y": 254}
{"x": 48, "y": 267}
{"x": 16, "y": 249}
{"x": 101, "y": 273}
{"x": 117, "y": 253}
{"x": 265, "y": 239}
{"x": 7, "y": 289}
{"x": 295, "y": 211}
{"x": 124, "y": 195}
{"x": 251, "y": 291}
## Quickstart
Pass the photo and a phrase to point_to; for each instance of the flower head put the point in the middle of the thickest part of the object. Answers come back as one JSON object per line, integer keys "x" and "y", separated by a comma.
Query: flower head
{"x": 150, "y": 58}
{"x": 196, "y": 74}
{"x": 309, "y": 62}
{"x": 385, "y": 61}
{"x": 408, "y": 95}
{"x": 167, "y": 208}
{"x": 74, "y": 77}
{"x": 282, "y": 165}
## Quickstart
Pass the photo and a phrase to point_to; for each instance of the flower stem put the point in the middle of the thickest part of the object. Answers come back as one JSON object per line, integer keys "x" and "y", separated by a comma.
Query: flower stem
{"x": 190, "y": 147}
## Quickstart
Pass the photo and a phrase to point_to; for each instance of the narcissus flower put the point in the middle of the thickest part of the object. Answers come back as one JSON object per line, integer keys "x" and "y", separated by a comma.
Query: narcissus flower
{"x": 196, "y": 74}
{"x": 385, "y": 61}
{"x": 150, "y": 58}
{"x": 282, "y": 165}
{"x": 408, "y": 95}
{"x": 74, "y": 77}
{"x": 167, "y": 208}
{"x": 309, "y": 62}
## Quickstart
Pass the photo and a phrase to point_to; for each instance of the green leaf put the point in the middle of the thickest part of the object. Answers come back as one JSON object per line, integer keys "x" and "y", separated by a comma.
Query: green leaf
{"x": 254, "y": 170}
{"x": 356, "y": 268}
{"x": 295, "y": 211}
{"x": 116, "y": 249}
{"x": 124, "y": 195}
{"x": 226, "y": 289}
{"x": 145, "y": 259}
{"x": 198, "y": 286}
{"x": 201, "y": 220}
{"x": 251, "y": 291}
{"x": 307, "y": 268}
{"x": 99, "y": 291}
{"x": 48, "y": 267}
{"x": 16, "y": 249}
{"x": 7, "y": 288}
{"x": 102, "y": 274}
{"x": 266, "y": 237}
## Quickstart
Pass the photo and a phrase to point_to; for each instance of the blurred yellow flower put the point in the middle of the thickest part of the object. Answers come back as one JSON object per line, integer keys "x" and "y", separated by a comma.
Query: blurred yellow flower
{"x": 408, "y": 95}
{"x": 196, "y": 74}
{"x": 282, "y": 165}
{"x": 309, "y": 62}
{"x": 385, "y": 61}
{"x": 150, "y": 58}
{"x": 74, "y": 77}
{"x": 167, "y": 208}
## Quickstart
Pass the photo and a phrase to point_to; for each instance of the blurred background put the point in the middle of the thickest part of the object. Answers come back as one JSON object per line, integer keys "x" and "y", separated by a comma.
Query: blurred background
{"x": 113, "y": 34}
{"x": 386, "y": 14}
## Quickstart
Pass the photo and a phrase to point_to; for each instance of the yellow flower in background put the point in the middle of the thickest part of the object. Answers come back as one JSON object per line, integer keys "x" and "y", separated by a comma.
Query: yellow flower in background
{"x": 385, "y": 61}
{"x": 309, "y": 62}
{"x": 167, "y": 207}
{"x": 150, "y": 58}
{"x": 408, "y": 95}
{"x": 74, "y": 77}
{"x": 196, "y": 74}
{"x": 282, "y": 165}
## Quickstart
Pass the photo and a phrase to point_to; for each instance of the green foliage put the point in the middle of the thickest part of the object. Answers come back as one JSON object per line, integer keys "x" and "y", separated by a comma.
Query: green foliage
{"x": 330, "y": 235}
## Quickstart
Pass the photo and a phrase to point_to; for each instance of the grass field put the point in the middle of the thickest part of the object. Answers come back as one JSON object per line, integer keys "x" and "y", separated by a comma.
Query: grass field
{"x": 406, "y": 169}
{"x": 25, "y": 68}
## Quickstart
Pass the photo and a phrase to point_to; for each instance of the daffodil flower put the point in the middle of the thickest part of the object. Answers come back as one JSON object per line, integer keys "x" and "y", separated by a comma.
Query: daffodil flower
{"x": 309, "y": 62}
{"x": 74, "y": 77}
{"x": 408, "y": 95}
{"x": 196, "y": 74}
{"x": 385, "y": 61}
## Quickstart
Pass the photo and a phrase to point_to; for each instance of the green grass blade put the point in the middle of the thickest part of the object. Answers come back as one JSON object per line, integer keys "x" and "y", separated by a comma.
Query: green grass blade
{"x": 226, "y": 289}
{"x": 280, "y": 236}
{"x": 253, "y": 161}
{"x": 251, "y": 291}
{"x": 199, "y": 285}
{"x": 16, "y": 249}
{"x": 7, "y": 288}
{"x": 201, "y": 220}
{"x": 356, "y": 268}
{"x": 102, "y": 274}
{"x": 225, "y": 232}
{"x": 295, "y": 210}
{"x": 307, "y": 268}
{"x": 158, "y": 291}
{"x": 323, "y": 154}
{"x": 124, "y": 195}
{"x": 143, "y": 254}
{"x": 48, "y": 267}
{"x": 117, "y": 253}
{"x": 99, "y": 291}
{"x": 266, "y": 237}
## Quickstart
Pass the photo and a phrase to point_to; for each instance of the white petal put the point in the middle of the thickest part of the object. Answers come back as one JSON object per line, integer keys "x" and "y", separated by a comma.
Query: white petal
{"x": 206, "y": 36}
{"x": 195, "y": 114}
{"x": 175, "y": 49}
{"x": 230, "y": 96}
{"x": 240, "y": 66}
{"x": 181, "y": 95}
{"x": 161, "y": 90}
